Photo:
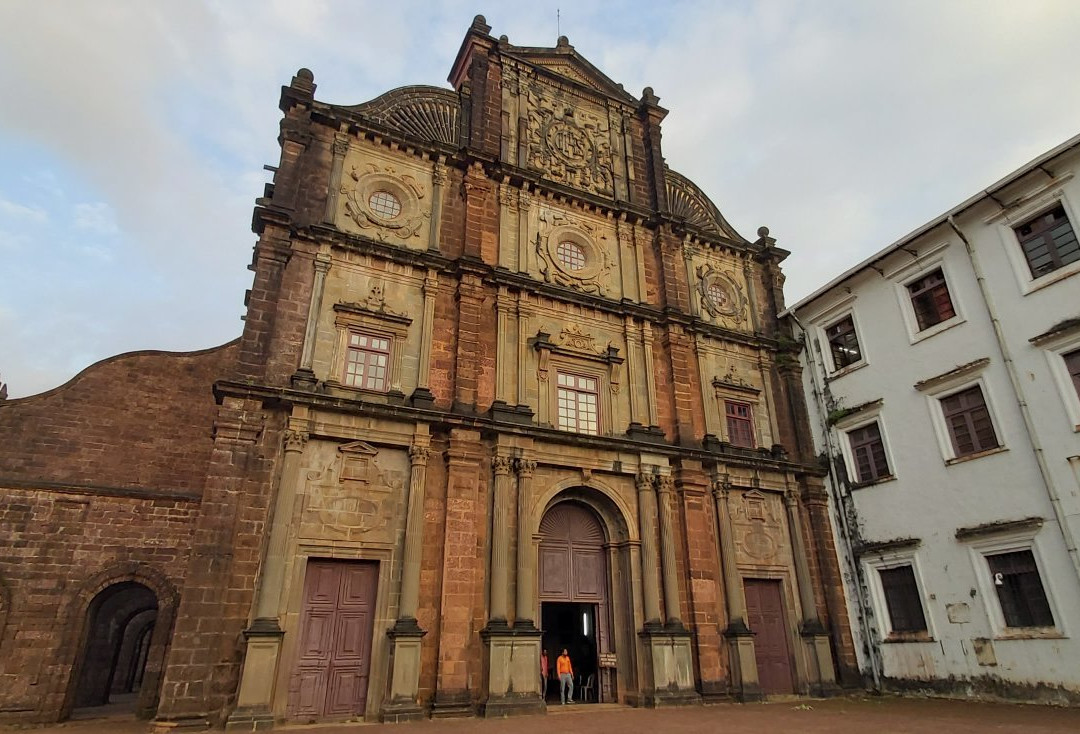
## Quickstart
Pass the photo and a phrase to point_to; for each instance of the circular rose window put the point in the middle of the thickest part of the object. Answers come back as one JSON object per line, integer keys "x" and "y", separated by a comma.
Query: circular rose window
{"x": 384, "y": 204}
{"x": 571, "y": 255}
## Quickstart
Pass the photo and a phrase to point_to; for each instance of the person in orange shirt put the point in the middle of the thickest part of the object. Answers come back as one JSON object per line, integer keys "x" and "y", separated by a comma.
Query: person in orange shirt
{"x": 566, "y": 676}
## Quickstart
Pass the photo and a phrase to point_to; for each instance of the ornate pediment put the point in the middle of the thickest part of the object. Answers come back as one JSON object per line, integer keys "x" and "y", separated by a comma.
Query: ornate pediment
{"x": 422, "y": 112}
{"x": 567, "y": 63}
{"x": 690, "y": 204}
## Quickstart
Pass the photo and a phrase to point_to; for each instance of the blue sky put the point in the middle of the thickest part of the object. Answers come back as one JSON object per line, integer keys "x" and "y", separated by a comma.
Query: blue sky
{"x": 133, "y": 132}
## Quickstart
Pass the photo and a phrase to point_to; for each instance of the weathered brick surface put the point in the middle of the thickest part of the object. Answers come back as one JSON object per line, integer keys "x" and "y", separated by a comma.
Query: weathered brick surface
{"x": 100, "y": 483}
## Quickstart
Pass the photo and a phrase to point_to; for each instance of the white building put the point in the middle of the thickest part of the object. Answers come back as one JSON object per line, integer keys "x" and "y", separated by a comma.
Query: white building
{"x": 943, "y": 379}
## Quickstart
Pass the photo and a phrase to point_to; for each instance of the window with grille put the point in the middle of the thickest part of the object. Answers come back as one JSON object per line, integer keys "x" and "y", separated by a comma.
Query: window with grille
{"x": 571, "y": 255}
{"x": 968, "y": 422}
{"x": 740, "y": 424}
{"x": 843, "y": 343}
{"x": 868, "y": 451}
{"x": 930, "y": 299}
{"x": 1072, "y": 366}
{"x": 578, "y": 403}
{"x": 1019, "y": 589}
{"x": 385, "y": 204}
{"x": 367, "y": 360}
{"x": 902, "y": 599}
{"x": 1048, "y": 241}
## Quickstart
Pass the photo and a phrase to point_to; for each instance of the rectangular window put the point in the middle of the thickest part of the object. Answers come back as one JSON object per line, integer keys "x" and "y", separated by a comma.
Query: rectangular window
{"x": 930, "y": 299}
{"x": 1048, "y": 241}
{"x": 968, "y": 421}
{"x": 367, "y": 359}
{"x": 843, "y": 343}
{"x": 902, "y": 599}
{"x": 1020, "y": 590}
{"x": 740, "y": 424}
{"x": 578, "y": 403}
{"x": 1072, "y": 366}
{"x": 868, "y": 450}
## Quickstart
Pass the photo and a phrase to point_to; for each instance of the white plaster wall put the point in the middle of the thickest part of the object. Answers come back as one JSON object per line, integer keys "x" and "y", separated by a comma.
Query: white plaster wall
{"x": 930, "y": 498}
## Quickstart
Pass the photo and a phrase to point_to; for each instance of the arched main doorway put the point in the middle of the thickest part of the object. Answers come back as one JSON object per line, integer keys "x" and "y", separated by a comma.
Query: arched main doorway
{"x": 119, "y": 629}
{"x": 575, "y": 609}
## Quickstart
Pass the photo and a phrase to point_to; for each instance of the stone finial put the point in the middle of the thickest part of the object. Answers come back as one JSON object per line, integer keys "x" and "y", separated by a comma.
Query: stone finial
{"x": 304, "y": 80}
{"x": 649, "y": 97}
{"x": 479, "y": 23}
{"x": 764, "y": 240}
{"x": 563, "y": 42}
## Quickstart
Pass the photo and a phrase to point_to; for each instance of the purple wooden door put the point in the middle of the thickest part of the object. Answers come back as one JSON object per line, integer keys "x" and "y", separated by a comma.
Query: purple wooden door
{"x": 765, "y": 616}
{"x": 334, "y": 648}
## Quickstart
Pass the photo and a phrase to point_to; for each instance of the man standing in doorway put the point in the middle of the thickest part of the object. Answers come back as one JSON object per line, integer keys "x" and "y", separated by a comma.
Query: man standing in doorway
{"x": 543, "y": 674}
{"x": 566, "y": 676}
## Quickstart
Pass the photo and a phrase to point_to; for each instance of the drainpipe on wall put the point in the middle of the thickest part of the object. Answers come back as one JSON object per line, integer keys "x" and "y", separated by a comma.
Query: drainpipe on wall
{"x": 1025, "y": 412}
{"x": 844, "y": 502}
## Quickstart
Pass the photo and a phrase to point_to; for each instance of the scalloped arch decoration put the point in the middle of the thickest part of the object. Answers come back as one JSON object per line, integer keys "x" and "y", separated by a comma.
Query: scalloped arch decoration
{"x": 422, "y": 112}
{"x": 689, "y": 202}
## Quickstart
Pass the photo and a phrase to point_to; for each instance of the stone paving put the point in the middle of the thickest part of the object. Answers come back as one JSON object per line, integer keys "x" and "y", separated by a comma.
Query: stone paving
{"x": 855, "y": 715}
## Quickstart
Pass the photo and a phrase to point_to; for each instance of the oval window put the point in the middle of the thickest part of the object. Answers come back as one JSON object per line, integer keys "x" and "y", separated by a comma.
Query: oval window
{"x": 384, "y": 204}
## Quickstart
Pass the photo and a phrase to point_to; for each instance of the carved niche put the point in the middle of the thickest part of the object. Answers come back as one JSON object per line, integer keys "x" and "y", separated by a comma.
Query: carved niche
{"x": 569, "y": 255}
{"x": 721, "y": 296}
{"x": 384, "y": 203}
{"x": 354, "y": 498}
{"x": 567, "y": 143}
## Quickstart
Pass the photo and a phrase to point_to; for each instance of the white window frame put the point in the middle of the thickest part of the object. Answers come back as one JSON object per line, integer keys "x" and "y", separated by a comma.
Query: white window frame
{"x": 1055, "y": 350}
{"x": 829, "y": 317}
{"x": 861, "y": 419}
{"x": 907, "y": 275}
{"x": 943, "y": 389}
{"x": 883, "y": 561}
{"x": 1023, "y": 539}
{"x": 1041, "y": 202}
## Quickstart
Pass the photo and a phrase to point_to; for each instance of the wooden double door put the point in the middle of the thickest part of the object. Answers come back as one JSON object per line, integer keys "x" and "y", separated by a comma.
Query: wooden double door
{"x": 765, "y": 616}
{"x": 333, "y": 662}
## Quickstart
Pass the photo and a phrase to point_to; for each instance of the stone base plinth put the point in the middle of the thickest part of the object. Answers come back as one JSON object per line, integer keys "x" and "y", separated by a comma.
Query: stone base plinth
{"x": 513, "y": 685}
{"x": 671, "y": 667}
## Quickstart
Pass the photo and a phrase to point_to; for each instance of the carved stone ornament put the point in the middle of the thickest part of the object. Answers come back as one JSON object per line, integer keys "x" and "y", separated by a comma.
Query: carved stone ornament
{"x": 574, "y": 338}
{"x": 721, "y": 295}
{"x": 568, "y": 145}
{"x": 400, "y": 218}
{"x": 360, "y": 502}
{"x": 375, "y": 305}
{"x": 569, "y": 256}
{"x": 760, "y": 526}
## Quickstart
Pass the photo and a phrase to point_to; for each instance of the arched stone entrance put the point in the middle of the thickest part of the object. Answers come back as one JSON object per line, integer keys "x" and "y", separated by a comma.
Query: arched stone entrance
{"x": 575, "y": 594}
{"x": 119, "y": 627}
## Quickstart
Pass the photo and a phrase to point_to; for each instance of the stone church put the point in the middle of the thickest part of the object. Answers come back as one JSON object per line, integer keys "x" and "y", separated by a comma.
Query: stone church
{"x": 506, "y": 384}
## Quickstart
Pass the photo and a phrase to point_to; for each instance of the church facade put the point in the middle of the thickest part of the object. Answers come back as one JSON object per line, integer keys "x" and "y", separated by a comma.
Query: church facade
{"x": 507, "y": 384}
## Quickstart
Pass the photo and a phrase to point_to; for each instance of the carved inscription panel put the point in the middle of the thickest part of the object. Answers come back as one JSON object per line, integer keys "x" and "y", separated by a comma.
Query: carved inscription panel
{"x": 357, "y": 494}
{"x": 569, "y": 140}
{"x": 759, "y": 528}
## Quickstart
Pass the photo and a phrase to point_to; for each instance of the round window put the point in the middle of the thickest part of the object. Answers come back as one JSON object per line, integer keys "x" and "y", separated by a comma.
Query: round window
{"x": 384, "y": 204}
{"x": 571, "y": 255}
{"x": 719, "y": 295}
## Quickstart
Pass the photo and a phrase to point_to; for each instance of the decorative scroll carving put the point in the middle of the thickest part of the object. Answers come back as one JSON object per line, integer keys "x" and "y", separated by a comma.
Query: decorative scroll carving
{"x": 732, "y": 380}
{"x": 690, "y": 203}
{"x": 759, "y": 522}
{"x": 425, "y": 113}
{"x": 406, "y": 223}
{"x": 360, "y": 502}
{"x": 374, "y": 306}
{"x": 568, "y": 145}
{"x": 574, "y": 338}
{"x": 720, "y": 294}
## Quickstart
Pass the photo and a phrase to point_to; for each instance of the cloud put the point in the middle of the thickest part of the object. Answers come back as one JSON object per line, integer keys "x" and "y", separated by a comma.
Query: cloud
{"x": 12, "y": 210}
{"x": 97, "y": 218}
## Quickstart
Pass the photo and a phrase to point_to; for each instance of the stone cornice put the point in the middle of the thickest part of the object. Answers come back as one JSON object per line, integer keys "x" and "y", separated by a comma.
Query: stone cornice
{"x": 285, "y": 398}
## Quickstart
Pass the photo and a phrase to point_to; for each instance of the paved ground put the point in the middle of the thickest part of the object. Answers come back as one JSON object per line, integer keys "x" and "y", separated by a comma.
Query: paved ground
{"x": 869, "y": 715}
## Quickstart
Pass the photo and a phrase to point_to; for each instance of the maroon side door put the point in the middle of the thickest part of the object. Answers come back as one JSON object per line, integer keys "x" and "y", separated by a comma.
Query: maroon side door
{"x": 765, "y": 616}
{"x": 334, "y": 650}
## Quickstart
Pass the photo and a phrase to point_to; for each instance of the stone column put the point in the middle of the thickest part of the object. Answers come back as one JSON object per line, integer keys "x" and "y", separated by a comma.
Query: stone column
{"x": 500, "y": 544}
{"x": 402, "y": 702}
{"x": 823, "y": 674}
{"x": 513, "y": 680}
{"x": 650, "y": 371}
{"x": 741, "y": 639}
{"x": 305, "y": 375}
{"x": 339, "y": 149}
{"x": 526, "y": 555}
{"x": 263, "y": 637}
{"x": 665, "y": 486}
{"x": 646, "y": 518}
{"x": 422, "y": 396}
{"x": 438, "y": 181}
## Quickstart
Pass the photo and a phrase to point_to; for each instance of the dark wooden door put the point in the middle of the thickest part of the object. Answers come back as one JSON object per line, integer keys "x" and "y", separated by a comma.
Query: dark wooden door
{"x": 334, "y": 648}
{"x": 765, "y": 616}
